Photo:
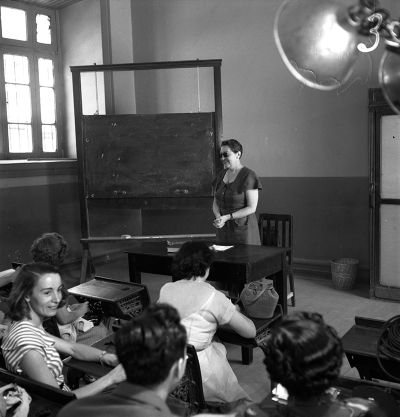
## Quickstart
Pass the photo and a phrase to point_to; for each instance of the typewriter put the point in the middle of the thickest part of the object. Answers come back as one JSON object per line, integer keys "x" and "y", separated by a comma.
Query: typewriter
{"x": 112, "y": 298}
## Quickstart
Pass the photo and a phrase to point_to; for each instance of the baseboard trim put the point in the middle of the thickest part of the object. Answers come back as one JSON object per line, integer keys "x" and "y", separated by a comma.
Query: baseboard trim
{"x": 322, "y": 268}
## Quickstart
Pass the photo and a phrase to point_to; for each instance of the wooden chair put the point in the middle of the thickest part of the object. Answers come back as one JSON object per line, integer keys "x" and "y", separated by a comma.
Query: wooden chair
{"x": 277, "y": 230}
{"x": 188, "y": 397}
{"x": 263, "y": 326}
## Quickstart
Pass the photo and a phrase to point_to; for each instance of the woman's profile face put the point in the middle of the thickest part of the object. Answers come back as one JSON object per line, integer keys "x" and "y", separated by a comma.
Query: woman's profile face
{"x": 228, "y": 157}
{"x": 46, "y": 295}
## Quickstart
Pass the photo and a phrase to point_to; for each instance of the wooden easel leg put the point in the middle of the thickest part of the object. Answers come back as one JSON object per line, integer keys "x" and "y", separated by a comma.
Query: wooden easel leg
{"x": 247, "y": 355}
{"x": 87, "y": 267}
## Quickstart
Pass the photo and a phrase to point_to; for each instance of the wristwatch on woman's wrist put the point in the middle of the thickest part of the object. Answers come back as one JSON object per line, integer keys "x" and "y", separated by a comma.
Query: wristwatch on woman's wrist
{"x": 231, "y": 216}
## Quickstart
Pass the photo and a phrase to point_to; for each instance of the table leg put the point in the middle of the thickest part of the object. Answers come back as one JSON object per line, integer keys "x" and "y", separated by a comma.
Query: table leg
{"x": 134, "y": 274}
{"x": 280, "y": 285}
{"x": 247, "y": 355}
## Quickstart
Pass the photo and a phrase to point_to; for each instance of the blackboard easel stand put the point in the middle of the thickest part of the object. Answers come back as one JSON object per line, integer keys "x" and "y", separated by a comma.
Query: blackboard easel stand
{"x": 87, "y": 268}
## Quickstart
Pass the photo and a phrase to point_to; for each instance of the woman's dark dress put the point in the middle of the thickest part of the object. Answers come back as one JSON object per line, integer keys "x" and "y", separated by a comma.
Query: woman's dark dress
{"x": 231, "y": 197}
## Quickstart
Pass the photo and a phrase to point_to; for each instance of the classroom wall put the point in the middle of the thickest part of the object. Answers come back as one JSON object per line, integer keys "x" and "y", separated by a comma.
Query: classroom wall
{"x": 309, "y": 148}
{"x": 37, "y": 197}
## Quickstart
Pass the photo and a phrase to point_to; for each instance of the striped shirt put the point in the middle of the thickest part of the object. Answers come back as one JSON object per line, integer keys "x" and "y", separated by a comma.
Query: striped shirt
{"x": 23, "y": 336}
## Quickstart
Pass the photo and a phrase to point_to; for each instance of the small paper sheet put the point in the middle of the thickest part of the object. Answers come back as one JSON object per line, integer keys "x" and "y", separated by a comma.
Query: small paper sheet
{"x": 220, "y": 248}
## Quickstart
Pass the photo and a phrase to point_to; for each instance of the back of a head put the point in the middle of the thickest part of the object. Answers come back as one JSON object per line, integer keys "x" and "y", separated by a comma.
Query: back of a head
{"x": 304, "y": 354}
{"x": 150, "y": 344}
{"x": 50, "y": 248}
{"x": 192, "y": 260}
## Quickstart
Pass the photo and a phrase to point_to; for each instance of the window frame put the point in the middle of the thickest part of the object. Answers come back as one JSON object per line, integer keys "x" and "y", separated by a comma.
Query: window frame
{"x": 33, "y": 50}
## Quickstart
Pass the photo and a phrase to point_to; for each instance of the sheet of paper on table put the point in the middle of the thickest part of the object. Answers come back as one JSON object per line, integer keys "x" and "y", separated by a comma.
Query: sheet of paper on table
{"x": 220, "y": 248}
{"x": 172, "y": 249}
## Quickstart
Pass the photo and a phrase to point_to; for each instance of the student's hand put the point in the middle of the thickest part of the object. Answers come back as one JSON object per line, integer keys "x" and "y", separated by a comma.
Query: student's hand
{"x": 110, "y": 359}
{"x": 117, "y": 375}
{"x": 15, "y": 394}
{"x": 81, "y": 308}
{"x": 23, "y": 409}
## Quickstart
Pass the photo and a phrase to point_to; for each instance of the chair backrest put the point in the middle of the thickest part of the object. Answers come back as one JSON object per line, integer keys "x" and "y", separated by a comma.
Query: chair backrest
{"x": 276, "y": 230}
{"x": 190, "y": 388}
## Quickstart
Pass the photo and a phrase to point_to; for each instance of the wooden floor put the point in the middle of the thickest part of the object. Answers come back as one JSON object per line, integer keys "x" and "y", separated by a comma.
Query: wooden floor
{"x": 312, "y": 294}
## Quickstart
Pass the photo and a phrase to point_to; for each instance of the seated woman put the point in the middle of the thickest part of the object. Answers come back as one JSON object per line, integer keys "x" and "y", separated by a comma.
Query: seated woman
{"x": 305, "y": 355}
{"x": 202, "y": 308}
{"x": 36, "y": 294}
{"x": 52, "y": 248}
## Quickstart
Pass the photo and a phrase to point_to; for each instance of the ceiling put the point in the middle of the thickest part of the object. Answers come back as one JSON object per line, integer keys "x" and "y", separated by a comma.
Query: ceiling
{"x": 51, "y": 4}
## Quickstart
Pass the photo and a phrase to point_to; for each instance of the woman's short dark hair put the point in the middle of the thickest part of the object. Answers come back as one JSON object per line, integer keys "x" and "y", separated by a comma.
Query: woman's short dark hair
{"x": 150, "y": 344}
{"x": 192, "y": 260}
{"x": 303, "y": 354}
{"x": 234, "y": 145}
{"x": 50, "y": 248}
{"x": 26, "y": 278}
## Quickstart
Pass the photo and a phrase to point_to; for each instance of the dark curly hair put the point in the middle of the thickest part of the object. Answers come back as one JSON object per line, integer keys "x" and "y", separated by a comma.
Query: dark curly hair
{"x": 192, "y": 260}
{"x": 50, "y": 248}
{"x": 150, "y": 344}
{"x": 234, "y": 145}
{"x": 303, "y": 354}
{"x": 26, "y": 278}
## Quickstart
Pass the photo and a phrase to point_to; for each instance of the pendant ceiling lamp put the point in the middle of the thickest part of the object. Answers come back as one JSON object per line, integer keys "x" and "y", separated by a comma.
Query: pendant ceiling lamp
{"x": 320, "y": 41}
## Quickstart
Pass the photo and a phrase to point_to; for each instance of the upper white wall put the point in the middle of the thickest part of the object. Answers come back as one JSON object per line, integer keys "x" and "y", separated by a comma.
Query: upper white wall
{"x": 81, "y": 44}
{"x": 122, "y": 52}
{"x": 287, "y": 129}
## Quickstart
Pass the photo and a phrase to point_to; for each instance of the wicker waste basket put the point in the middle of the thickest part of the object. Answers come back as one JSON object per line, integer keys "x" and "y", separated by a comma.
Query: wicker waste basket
{"x": 344, "y": 273}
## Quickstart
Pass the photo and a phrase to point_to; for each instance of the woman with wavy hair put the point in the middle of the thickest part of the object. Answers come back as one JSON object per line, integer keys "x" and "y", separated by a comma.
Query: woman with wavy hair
{"x": 305, "y": 355}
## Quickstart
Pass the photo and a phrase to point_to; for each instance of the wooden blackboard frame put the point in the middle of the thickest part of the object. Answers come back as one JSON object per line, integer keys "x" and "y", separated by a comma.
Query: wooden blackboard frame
{"x": 76, "y": 71}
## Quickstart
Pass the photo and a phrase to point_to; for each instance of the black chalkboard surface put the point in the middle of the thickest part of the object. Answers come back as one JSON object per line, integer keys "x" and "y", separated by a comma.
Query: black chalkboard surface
{"x": 149, "y": 155}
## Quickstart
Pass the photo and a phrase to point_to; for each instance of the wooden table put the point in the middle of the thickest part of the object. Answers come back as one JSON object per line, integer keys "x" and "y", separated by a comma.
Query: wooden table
{"x": 360, "y": 344}
{"x": 236, "y": 266}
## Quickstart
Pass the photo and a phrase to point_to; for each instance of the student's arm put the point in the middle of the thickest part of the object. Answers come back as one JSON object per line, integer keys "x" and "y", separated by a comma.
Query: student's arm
{"x": 35, "y": 368}
{"x": 66, "y": 316}
{"x": 84, "y": 352}
{"x": 242, "y": 325}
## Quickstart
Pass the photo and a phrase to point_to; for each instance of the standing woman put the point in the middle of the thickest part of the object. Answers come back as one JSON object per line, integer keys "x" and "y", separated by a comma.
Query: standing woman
{"x": 235, "y": 198}
{"x": 28, "y": 349}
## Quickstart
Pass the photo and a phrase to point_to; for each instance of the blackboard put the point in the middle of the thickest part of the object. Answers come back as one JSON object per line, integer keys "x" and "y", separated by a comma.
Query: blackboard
{"x": 149, "y": 155}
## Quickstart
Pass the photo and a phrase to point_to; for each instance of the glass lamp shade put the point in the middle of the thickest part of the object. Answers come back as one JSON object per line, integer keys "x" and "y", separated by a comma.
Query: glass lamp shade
{"x": 316, "y": 42}
{"x": 389, "y": 77}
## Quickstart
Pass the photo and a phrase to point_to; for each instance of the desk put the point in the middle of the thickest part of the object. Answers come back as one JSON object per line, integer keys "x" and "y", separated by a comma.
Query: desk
{"x": 387, "y": 397}
{"x": 96, "y": 369}
{"x": 360, "y": 344}
{"x": 238, "y": 265}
